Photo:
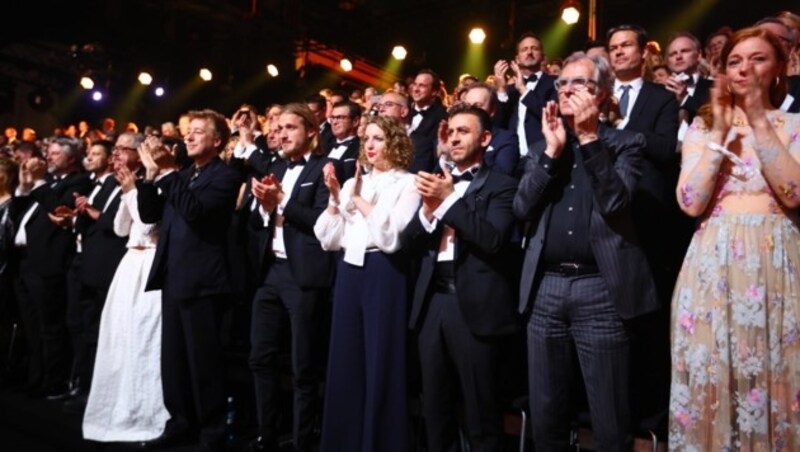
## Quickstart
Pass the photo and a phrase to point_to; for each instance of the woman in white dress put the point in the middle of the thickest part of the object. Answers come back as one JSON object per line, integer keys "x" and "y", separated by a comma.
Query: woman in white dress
{"x": 126, "y": 401}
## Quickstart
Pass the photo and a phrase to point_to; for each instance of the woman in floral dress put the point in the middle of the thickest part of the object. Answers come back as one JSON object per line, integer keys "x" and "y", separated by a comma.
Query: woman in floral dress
{"x": 736, "y": 311}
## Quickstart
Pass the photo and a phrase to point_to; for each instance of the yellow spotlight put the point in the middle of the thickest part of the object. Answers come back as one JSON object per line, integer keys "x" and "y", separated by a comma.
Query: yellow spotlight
{"x": 205, "y": 74}
{"x": 145, "y": 78}
{"x": 346, "y": 64}
{"x": 87, "y": 83}
{"x": 399, "y": 53}
{"x": 570, "y": 13}
{"x": 272, "y": 70}
{"x": 477, "y": 35}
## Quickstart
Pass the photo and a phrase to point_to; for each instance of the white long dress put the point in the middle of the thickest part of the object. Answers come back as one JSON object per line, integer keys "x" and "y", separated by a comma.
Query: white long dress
{"x": 126, "y": 400}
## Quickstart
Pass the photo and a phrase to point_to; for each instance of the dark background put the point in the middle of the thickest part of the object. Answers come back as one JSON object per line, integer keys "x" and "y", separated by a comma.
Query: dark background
{"x": 44, "y": 48}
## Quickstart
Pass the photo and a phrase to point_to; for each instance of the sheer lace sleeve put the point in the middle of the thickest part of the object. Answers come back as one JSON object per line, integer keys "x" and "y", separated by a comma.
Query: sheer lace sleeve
{"x": 699, "y": 169}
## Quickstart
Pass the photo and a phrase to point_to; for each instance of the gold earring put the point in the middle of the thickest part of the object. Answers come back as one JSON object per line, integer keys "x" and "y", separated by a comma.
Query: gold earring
{"x": 777, "y": 81}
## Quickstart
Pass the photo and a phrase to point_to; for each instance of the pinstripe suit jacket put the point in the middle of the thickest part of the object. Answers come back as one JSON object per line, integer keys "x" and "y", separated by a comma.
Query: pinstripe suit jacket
{"x": 613, "y": 172}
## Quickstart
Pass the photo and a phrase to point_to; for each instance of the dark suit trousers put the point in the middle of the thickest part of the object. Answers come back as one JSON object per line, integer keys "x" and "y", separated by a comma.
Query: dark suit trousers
{"x": 192, "y": 366}
{"x": 75, "y": 318}
{"x": 453, "y": 358}
{"x": 278, "y": 296}
{"x": 365, "y": 392}
{"x": 575, "y": 314}
{"x": 42, "y": 305}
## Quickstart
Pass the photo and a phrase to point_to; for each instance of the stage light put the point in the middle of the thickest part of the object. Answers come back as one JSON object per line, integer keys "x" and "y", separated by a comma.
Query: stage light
{"x": 97, "y": 96}
{"x": 570, "y": 12}
{"x": 205, "y": 74}
{"x": 272, "y": 70}
{"x": 145, "y": 78}
{"x": 87, "y": 82}
{"x": 346, "y": 64}
{"x": 399, "y": 53}
{"x": 477, "y": 35}
{"x": 159, "y": 91}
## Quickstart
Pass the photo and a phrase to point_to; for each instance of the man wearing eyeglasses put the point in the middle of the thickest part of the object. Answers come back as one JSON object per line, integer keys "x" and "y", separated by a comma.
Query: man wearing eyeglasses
{"x": 344, "y": 120}
{"x": 584, "y": 275}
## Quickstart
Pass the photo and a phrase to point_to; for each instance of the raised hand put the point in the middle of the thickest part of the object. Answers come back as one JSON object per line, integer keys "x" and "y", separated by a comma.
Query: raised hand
{"x": 329, "y": 177}
{"x": 500, "y": 70}
{"x": 126, "y": 179}
{"x": 587, "y": 114}
{"x": 357, "y": 181}
{"x": 721, "y": 106}
{"x": 555, "y": 135}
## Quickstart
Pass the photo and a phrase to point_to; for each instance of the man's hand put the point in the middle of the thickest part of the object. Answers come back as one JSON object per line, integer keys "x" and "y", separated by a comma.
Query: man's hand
{"x": 587, "y": 115}
{"x": 268, "y": 191}
{"x": 555, "y": 136}
{"x": 434, "y": 189}
{"x": 500, "y": 70}
{"x": 678, "y": 87}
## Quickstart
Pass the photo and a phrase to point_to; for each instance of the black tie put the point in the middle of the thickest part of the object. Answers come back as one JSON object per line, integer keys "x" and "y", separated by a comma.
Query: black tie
{"x": 419, "y": 112}
{"x": 623, "y": 100}
{"x": 530, "y": 79}
{"x": 690, "y": 82}
{"x": 294, "y": 163}
{"x": 194, "y": 176}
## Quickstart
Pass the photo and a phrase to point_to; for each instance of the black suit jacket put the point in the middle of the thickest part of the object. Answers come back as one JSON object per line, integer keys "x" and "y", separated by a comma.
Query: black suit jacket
{"x": 49, "y": 247}
{"x": 102, "y": 248}
{"x": 613, "y": 166}
{"x": 311, "y": 266}
{"x": 534, "y": 101}
{"x": 486, "y": 265}
{"x": 191, "y": 256}
{"x": 347, "y": 161}
{"x": 326, "y": 138}
{"x": 794, "y": 90}
{"x": 502, "y": 155}
{"x": 702, "y": 94}
{"x": 424, "y": 138}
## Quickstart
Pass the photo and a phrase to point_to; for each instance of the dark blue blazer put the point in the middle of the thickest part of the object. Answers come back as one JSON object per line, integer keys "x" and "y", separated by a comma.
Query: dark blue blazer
{"x": 702, "y": 94}
{"x": 613, "y": 168}
{"x": 191, "y": 256}
{"x": 311, "y": 266}
{"x": 502, "y": 155}
{"x": 425, "y": 136}
{"x": 486, "y": 264}
{"x": 534, "y": 101}
{"x": 102, "y": 247}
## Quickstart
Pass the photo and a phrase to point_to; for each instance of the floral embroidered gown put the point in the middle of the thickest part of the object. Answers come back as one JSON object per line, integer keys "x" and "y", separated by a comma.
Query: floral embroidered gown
{"x": 735, "y": 329}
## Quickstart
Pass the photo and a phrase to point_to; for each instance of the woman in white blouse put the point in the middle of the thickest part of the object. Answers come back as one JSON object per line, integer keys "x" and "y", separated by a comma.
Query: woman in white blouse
{"x": 365, "y": 397}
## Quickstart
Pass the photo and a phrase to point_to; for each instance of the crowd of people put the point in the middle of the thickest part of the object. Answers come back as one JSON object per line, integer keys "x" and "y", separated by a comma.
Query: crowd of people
{"x": 619, "y": 225}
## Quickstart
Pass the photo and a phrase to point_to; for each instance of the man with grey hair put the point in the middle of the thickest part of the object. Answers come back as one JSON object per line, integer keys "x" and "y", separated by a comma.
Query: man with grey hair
{"x": 44, "y": 250}
{"x": 584, "y": 276}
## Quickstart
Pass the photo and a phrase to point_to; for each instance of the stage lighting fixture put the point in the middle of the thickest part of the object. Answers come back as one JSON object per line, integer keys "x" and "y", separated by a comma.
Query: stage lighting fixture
{"x": 87, "y": 82}
{"x": 97, "y": 96}
{"x": 159, "y": 91}
{"x": 205, "y": 74}
{"x": 399, "y": 53}
{"x": 477, "y": 35}
{"x": 145, "y": 78}
{"x": 272, "y": 70}
{"x": 346, "y": 64}
{"x": 570, "y": 12}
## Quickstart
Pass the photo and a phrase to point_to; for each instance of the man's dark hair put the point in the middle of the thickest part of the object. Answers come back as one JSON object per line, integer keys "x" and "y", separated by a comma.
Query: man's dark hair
{"x": 107, "y": 145}
{"x": 641, "y": 34}
{"x": 318, "y": 100}
{"x": 594, "y": 43}
{"x": 29, "y": 147}
{"x": 353, "y": 108}
{"x": 526, "y": 35}
{"x": 484, "y": 121}
{"x": 492, "y": 93}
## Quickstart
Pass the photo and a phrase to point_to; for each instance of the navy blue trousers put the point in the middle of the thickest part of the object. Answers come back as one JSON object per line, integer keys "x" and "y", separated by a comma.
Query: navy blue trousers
{"x": 365, "y": 396}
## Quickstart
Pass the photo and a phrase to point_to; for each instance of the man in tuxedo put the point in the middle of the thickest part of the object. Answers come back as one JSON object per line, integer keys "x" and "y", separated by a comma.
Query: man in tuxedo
{"x": 691, "y": 90}
{"x": 463, "y": 306}
{"x": 194, "y": 208}
{"x": 344, "y": 120}
{"x": 522, "y": 102}
{"x": 296, "y": 278}
{"x": 584, "y": 275}
{"x": 395, "y": 105}
{"x": 664, "y": 230}
{"x": 101, "y": 251}
{"x": 44, "y": 250}
{"x": 319, "y": 108}
{"x": 788, "y": 39}
{"x": 502, "y": 154}
{"x": 426, "y": 114}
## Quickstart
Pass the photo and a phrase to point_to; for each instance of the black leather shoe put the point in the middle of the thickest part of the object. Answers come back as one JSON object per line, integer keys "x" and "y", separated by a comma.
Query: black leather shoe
{"x": 58, "y": 391}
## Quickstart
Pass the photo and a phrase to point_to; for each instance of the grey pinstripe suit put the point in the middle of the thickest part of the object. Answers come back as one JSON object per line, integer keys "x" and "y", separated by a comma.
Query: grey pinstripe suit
{"x": 587, "y": 313}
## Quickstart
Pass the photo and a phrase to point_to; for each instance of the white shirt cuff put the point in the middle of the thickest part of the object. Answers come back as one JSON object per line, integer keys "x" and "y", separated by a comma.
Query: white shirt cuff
{"x": 502, "y": 96}
{"x": 36, "y": 184}
{"x": 429, "y": 226}
{"x": 264, "y": 215}
{"x": 445, "y": 205}
{"x": 244, "y": 152}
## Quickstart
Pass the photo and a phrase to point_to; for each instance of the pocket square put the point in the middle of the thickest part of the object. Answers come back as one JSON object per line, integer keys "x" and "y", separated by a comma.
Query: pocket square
{"x": 306, "y": 184}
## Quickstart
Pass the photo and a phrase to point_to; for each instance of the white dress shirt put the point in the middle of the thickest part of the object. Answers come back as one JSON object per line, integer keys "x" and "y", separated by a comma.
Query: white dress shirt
{"x": 447, "y": 244}
{"x": 633, "y": 94}
{"x": 287, "y": 186}
{"x": 394, "y": 201}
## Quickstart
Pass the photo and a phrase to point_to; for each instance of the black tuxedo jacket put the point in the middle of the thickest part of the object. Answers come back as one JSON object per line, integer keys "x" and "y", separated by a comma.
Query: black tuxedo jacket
{"x": 613, "y": 169}
{"x": 424, "y": 137}
{"x": 503, "y": 152}
{"x": 702, "y": 94}
{"x": 311, "y": 266}
{"x": 534, "y": 101}
{"x": 49, "y": 247}
{"x": 191, "y": 256}
{"x": 102, "y": 248}
{"x": 794, "y": 90}
{"x": 486, "y": 264}
{"x": 347, "y": 161}
{"x": 326, "y": 138}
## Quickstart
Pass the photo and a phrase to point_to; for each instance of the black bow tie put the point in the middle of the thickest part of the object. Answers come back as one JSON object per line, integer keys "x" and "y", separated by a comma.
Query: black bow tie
{"x": 468, "y": 176}
{"x": 530, "y": 79}
{"x": 299, "y": 162}
{"x": 420, "y": 112}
